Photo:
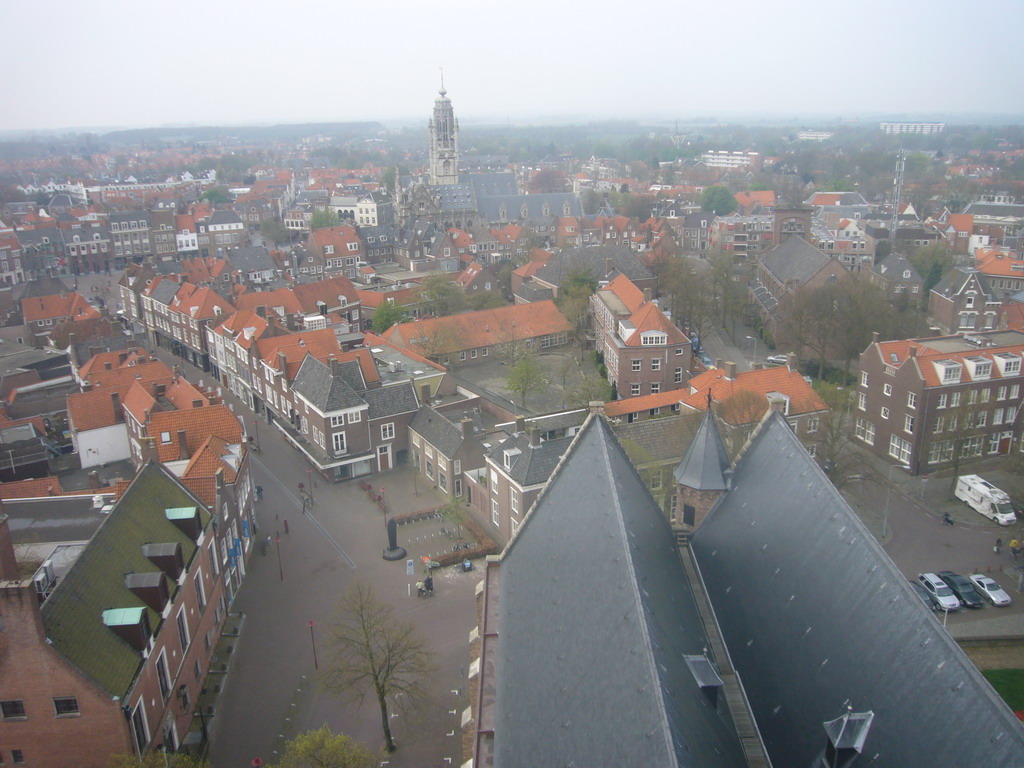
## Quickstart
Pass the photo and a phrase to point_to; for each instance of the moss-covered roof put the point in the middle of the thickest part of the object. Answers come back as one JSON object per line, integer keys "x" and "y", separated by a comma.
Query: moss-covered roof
{"x": 73, "y": 614}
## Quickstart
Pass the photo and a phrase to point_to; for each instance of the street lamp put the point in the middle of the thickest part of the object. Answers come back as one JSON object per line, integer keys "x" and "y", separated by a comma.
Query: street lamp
{"x": 312, "y": 639}
{"x": 888, "y": 493}
{"x": 754, "y": 339}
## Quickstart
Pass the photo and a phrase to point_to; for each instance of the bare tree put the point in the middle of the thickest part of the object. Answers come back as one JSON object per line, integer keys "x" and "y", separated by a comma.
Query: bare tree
{"x": 372, "y": 651}
{"x": 741, "y": 411}
{"x": 444, "y": 340}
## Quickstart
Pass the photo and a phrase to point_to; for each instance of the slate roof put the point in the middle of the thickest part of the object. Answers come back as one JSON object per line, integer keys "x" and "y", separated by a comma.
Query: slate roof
{"x": 534, "y": 464}
{"x": 73, "y": 614}
{"x": 250, "y": 259}
{"x": 327, "y": 392}
{"x": 593, "y": 259}
{"x": 661, "y": 439}
{"x": 595, "y": 618}
{"x": 391, "y": 400}
{"x": 794, "y": 259}
{"x": 437, "y": 430}
{"x": 816, "y": 617}
{"x": 705, "y": 461}
{"x": 892, "y": 268}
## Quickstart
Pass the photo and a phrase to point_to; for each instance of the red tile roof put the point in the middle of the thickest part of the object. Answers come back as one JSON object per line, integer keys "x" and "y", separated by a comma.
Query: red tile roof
{"x": 295, "y": 346}
{"x": 484, "y": 328}
{"x": 198, "y": 423}
{"x": 645, "y": 402}
{"x": 71, "y": 305}
{"x": 897, "y": 353}
{"x": 802, "y": 397}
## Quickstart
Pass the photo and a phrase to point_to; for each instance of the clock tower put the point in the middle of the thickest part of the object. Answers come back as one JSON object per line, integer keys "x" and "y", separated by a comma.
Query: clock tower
{"x": 444, "y": 142}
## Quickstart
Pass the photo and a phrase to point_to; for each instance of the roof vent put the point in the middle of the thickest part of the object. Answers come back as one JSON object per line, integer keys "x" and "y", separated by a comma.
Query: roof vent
{"x": 846, "y": 737}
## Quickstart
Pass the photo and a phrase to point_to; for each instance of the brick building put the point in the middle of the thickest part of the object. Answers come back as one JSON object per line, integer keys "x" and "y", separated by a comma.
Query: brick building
{"x": 919, "y": 400}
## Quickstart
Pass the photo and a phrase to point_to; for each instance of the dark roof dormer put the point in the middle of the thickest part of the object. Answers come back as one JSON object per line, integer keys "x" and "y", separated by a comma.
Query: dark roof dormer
{"x": 150, "y": 588}
{"x": 130, "y": 624}
{"x": 166, "y": 557}
{"x": 187, "y": 520}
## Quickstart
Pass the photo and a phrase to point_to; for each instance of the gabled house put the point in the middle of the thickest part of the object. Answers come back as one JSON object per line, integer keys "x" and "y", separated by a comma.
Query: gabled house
{"x": 335, "y": 251}
{"x": 445, "y": 445}
{"x": 963, "y": 300}
{"x": 643, "y": 351}
{"x": 477, "y": 278}
{"x": 898, "y": 279}
{"x": 345, "y": 421}
{"x": 42, "y": 313}
{"x": 221, "y": 230}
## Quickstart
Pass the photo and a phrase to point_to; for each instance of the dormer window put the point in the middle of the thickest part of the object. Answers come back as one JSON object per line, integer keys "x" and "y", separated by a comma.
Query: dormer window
{"x": 651, "y": 339}
{"x": 949, "y": 371}
{"x": 979, "y": 367}
{"x": 510, "y": 457}
{"x": 1007, "y": 363}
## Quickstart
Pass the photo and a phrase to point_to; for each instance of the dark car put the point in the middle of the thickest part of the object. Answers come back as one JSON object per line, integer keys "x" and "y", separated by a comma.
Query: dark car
{"x": 924, "y": 594}
{"x": 962, "y": 588}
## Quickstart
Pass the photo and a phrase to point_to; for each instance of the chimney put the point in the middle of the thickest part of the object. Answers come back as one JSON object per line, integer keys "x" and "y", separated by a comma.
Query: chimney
{"x": 647, "y": 295}
{"x": 467, "y": 427}
{"x": 94, "y": 480}
{"x": 596, "y": 407}
{"x": 730, "y": 371}
{"x": 757, "y": 366}
{"x": 534, "y": 437}
{"x": 8, "y": 562}
{"x": 148, "y": 449}
{"x": 520, "y": 424}
{"x": 115, "y": 401}
{"x": 718, "y": 363}
{"x": 913, "y": 351}
{"x": 777, "y": 404}
{"x": 607, "y": 265}
{"x": 874, "y": 337}
{"x": 425, "y": 394}
{"x": 791, "y": 361}
{"x": 182, "y": 445}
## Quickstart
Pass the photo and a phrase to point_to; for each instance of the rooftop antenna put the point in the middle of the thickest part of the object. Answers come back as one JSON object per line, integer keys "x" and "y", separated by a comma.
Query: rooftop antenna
{"x": 897, "y": 189}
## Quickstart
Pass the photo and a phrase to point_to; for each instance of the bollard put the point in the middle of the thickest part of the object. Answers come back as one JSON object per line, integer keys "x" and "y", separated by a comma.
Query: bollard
{"x": 286, "y": 525}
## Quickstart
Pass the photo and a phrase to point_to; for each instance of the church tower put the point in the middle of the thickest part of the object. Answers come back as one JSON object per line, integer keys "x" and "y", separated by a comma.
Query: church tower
{"x": 444, "y": 142}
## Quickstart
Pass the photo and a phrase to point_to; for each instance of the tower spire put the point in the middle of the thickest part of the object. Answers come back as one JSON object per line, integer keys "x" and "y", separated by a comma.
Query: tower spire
{"x": 443, "y": 92}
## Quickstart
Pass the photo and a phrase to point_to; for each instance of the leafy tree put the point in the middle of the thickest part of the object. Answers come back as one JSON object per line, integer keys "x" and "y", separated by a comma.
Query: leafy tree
{"x": 718, "y": 200}
{"x": 323, "y": 749}
{"x": 833, "y": 443}
{"x": 370, "y": 651}
{"x": 386, "y": 314}
{"x": 485, "y": 300}
{"x": 215, "y": 196}
{"x": 275, "y": 231}
{"x": 524, "y": 378}
{"x": 439, "y": 296}
{"x": 323, "y": 218}
{"x": 932, "y": 262}
{"x": 546, "y": 180}
{"x": 591, "y": 389}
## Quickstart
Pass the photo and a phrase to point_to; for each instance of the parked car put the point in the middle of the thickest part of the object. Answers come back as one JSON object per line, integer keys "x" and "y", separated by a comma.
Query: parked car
{"x": 939, "y": 592}
{"x": 990, "y": 589}
{"x": 777, "y": 359}
{"x": 962, "y": 588}
{"x": 924, "y": 594}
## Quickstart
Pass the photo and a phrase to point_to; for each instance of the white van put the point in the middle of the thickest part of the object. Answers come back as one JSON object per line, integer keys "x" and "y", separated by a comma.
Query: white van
{"x": 985, "y": 498}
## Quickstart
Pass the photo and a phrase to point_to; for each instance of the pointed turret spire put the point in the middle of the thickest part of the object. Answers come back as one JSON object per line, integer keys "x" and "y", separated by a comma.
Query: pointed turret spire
{"x": 704, "y": 465}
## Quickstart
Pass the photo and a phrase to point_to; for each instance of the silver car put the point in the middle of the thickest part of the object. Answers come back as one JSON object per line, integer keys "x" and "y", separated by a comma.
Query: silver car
{"x": 939, "y": 591}
{"x": 990, "y": 589}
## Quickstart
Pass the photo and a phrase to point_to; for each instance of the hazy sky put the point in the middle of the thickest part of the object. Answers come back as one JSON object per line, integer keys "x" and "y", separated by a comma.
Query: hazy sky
{"x": 116, "y": 63}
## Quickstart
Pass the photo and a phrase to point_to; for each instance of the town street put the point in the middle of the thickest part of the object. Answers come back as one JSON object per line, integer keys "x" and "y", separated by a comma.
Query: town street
{"x": 273, "y": 690}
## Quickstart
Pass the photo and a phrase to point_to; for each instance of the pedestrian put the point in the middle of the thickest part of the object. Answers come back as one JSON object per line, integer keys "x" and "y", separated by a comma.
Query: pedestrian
{"x": 428, "y": 584}
{"x": 259, "y": 492}
{"x": 998, "y": 546}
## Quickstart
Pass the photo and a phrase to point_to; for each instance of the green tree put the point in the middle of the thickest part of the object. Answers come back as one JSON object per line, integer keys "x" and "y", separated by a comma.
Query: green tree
{"x": 275, "y": 231}
{"x": 215, "y": 196}
{"x": 574, "y": 302}
{"x": 371, "y": 651}
{"x": 438, "y": 295}
{"x": 485, "y": 300}
{"x": 323, "y": 749}
{"x": 323, "y": 218}
{"x": 591, "y": 389}
{"x": 524, "y": 378}
{"x": 718, "y": 200}
{"x": 454, "y": 513}
{"x": 931, "y": 263}
{"x": 386, "y": 314}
